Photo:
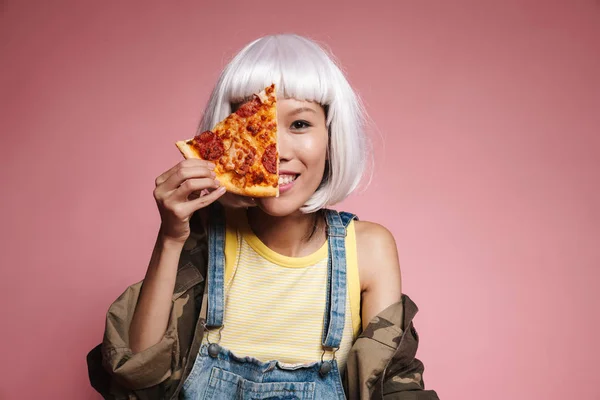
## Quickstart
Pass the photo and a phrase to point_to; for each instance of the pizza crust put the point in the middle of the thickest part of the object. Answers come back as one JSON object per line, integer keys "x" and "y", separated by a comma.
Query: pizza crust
{"x": 251, "y": 191}
{"x": 186, "y": 150}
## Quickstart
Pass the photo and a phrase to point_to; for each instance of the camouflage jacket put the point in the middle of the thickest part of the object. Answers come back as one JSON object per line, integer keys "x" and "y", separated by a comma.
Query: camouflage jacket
{"x": 381, "y": 363}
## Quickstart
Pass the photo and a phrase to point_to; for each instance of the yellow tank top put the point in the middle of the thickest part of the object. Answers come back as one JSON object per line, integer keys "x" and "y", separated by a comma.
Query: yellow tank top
{"x": 274, "y": 305}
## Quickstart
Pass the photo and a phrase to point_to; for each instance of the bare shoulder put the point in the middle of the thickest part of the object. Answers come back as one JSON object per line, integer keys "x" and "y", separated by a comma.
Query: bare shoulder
{"x": 378, "y": 267}
{"x": 370, "y": 234}
{"x": 377, "y": 252}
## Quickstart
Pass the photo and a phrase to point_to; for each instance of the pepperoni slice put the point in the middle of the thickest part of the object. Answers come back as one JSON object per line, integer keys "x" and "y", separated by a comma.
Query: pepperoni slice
{"x": 213, "y": 150}
{"x": 205, "y": 137}
{"x": 209, "y": 146}
{"x": 269, "y": 159}
{"x": 210, "y": 151}
{"x": 249, "y": 108}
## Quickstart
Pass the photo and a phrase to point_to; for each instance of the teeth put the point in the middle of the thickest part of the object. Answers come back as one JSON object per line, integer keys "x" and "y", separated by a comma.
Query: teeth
{"x": 285, "y": 179}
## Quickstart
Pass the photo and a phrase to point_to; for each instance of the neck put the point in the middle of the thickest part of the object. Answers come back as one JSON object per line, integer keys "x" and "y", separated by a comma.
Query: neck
{"x": 295, "y": 235}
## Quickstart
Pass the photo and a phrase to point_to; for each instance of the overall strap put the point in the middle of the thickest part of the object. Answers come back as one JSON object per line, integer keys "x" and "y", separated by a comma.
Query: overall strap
{"x": 335, "y": 302}
{"x": 215, "y": 284}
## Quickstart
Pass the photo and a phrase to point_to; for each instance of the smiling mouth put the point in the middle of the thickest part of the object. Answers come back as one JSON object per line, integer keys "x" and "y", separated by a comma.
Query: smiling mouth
{"x": 286, "y": 179}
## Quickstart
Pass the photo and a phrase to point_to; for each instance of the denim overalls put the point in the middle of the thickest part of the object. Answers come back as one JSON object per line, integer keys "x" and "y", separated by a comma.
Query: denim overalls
{"x": 219, "y": 374}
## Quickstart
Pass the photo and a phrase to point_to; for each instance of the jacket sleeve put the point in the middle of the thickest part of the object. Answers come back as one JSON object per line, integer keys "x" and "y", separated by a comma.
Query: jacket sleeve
{"x": 115, "y": 371}
{"x": 382, "y": 363}
{"x": 402, "y": 378}
{"x": 140, "y": 370}
{"x": 118, "y": 374}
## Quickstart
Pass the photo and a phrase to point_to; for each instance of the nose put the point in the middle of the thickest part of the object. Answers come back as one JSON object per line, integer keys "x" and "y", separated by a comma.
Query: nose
{"x": 284, "y": 144}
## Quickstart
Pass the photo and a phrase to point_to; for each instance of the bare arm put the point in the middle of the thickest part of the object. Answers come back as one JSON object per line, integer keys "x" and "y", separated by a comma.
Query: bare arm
{"x": 379, "y": 269}
{"x": 177, "y": 198}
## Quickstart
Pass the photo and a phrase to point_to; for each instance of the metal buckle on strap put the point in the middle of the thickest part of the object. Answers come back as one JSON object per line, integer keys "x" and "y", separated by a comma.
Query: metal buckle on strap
{"x": 209, "y": 330}
{"x": 326, "y": 366}
{"x": 333, "y": 351}
{"x": 213, "y": 348}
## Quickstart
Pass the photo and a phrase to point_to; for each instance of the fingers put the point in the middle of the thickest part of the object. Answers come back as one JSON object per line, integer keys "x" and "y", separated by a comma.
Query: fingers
{"x": 190, "y": 186}
{"x": 180, "y": 175}
{"x": 203, "y": 201}
{"x": 192, "y": 162}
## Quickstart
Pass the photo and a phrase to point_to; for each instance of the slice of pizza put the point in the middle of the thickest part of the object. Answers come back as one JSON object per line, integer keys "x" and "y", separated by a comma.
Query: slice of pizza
{"x": 243, "y": 147}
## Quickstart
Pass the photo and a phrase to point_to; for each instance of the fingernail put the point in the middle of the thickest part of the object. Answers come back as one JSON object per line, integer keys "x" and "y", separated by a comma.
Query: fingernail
{"x": 211, "y": 166}
{"x": 217, "y": 183}
{"x": 221, "y": 189}
{"x": 213, "y": 174}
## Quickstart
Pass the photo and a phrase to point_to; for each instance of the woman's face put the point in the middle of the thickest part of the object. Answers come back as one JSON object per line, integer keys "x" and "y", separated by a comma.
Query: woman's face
{"x": 303, "y": 139}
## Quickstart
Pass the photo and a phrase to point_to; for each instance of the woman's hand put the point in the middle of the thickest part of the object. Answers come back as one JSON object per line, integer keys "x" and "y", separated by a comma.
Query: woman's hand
{"x": 185, "y": 188}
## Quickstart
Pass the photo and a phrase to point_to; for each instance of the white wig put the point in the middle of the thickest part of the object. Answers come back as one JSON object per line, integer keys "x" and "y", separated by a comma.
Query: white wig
{"x": 302, "y": 70}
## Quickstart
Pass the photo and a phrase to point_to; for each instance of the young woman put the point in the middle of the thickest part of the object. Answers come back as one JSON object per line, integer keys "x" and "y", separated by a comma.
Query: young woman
{"x": 265, "y": 298}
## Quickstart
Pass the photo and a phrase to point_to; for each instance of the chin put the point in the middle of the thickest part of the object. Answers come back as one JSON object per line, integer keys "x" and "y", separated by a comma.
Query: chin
{"x": 280, "y": 206}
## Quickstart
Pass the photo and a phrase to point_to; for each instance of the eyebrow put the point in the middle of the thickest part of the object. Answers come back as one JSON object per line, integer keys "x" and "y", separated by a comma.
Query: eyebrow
{"x": 301, "y": 110}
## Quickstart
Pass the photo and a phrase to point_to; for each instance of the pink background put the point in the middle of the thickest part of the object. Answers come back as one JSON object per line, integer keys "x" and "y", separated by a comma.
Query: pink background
{"x": 487, "y": 125}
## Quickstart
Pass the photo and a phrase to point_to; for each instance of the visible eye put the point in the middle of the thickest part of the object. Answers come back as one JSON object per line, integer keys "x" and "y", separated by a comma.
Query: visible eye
{"x": 300, "y": 125}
